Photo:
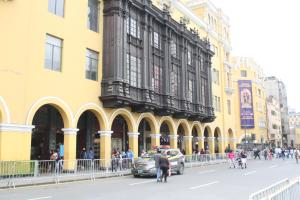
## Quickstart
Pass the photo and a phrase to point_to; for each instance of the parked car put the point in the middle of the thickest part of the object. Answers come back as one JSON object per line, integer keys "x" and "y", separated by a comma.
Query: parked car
{"x": 145, "y": 165}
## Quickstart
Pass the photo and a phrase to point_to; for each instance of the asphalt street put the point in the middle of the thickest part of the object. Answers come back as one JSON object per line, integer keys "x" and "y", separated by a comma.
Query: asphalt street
{"x": 213, "y": 182}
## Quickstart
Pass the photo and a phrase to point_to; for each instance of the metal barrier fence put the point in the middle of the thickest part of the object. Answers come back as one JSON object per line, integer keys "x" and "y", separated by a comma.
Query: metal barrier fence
{"x": 14, "y": 173}
{"x": 282, "y": 190}
{"x": 202, "y": 159}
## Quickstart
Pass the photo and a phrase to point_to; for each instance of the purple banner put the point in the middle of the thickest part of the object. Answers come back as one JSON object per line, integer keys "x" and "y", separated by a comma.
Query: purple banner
{"x": 246, "y": 104}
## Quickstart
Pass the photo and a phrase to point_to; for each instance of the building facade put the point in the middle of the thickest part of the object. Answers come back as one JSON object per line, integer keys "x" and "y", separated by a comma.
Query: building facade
{"x": 274, "y": 122}
{"x": 106, "y": 75}
{"x": 210, "y": 22}
{"x": 276, "y": 88}
{"x": 255, "y": 130}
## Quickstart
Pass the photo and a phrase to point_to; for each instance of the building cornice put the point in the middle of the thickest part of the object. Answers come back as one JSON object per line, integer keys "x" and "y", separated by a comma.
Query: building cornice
{"x": 16, "y": 128}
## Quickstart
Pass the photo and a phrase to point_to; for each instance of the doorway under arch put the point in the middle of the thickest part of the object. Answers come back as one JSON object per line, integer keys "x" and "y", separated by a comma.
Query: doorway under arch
{"x": 47, "y": 135}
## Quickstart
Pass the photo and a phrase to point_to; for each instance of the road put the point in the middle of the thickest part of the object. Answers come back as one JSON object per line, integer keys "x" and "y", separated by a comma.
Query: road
{"x": 214, "y": 182}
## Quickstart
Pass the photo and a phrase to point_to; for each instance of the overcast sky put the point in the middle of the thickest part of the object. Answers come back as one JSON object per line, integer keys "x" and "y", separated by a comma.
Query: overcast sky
{"x": 269, "y": 31}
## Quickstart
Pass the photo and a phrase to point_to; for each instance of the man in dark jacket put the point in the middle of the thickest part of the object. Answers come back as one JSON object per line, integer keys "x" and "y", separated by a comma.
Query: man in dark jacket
{"x": 156, "y": 158}
{"x": 164, "y": 165}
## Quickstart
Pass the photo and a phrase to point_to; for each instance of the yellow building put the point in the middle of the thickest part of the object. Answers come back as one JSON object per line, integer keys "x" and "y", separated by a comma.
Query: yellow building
{"x": 50, "y": 84}
{"x": 247, "y": 69}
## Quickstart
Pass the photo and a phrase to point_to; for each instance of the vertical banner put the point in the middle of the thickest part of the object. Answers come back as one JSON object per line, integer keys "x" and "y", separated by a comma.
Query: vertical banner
{"x": 246, "y": 104}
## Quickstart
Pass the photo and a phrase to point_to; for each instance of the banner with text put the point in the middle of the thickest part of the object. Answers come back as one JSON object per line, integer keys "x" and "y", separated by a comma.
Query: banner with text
{"x": 246, "y": 104}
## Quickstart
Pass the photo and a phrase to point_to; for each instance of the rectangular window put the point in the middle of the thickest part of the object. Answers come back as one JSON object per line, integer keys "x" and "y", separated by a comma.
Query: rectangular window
{"x": 189, "y": 57}
{"x": 190, "y": 91}
{"x": 133, "y": 71}
{"x": 157, "y": 73}
{"x": 215, "y": 103}
{"x": 215, "y": 76}
{"x": 175, "y": 80}
{"x": 243, "y": 73}
{"x": 91, "y": 70}
{"x": 173, "y": 48}
{"x": 133, "y": 74}
{"x": 93, "y": 14}
{"x": 127, "y": 68}
{"x": 133, "y": 27}
{"x": 229, "y": 107}
{"x": 53, "y": 53}
{"x": 156, "y": 40}
{"x": 203, "y": 86}
{"x": 56, "y": 7}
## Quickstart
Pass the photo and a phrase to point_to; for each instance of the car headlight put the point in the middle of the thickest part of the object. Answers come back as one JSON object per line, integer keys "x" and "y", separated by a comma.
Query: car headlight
{"x": 152, "y": 169}
{"x": 149, "y": 167}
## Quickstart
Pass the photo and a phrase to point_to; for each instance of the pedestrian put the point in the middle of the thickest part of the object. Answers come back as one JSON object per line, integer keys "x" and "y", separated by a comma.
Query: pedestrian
{"x": 231, "y": 159}
{"x": 90, "y": 154}
{"x": 164, "y": 165}
{"x": 143, "y": 153}
{"x": 157, "y": 167}
{"x": 61, "y": 151}
{"x": 83, "y": 154}
{"x": 130, "y": 156}
{"x": 266, "y": 154}
{"x": 244, "y": 159}
{"x": 297, "y": 154}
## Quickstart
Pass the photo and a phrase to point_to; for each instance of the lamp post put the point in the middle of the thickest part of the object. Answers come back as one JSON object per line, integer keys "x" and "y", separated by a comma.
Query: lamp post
{"x": 245, "y": 146}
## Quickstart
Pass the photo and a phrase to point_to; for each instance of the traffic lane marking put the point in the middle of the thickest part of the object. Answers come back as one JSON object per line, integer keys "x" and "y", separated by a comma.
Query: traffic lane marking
{"x": 143, "y": 182}
{"x": 272, "y": 166}
{"x": 249, "y": 173}
{"x": 204, "y": 185}
{"x": 206, "y": 171}
{"x": 38, "y": 198}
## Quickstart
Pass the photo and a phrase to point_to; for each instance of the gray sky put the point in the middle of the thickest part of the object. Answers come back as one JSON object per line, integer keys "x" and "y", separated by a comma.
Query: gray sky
{"x": 269, "y": 31}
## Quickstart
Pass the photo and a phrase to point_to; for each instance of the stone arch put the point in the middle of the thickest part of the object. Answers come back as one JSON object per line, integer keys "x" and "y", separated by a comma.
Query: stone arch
{"x": 185, "y": 126}
{"x": 218, "y": 132}
{"x": 4, "y": 111}
{"x": 230, "y": 133}
{"x": 198, "y": 127}
{"x": 208, "y": 128}
{"x": 150, "y": 119}
{"x": 169, "y": 121}
{"x": 63, "y": 108}
{"x": 97, "y": 111}
{"x": 126, "y": 115}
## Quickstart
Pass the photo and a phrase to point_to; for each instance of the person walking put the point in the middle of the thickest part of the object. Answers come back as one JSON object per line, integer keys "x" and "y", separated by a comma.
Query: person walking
{"x": 164, "y": 165}
{"x": 156, "y": 159}
{"x": 130, "y": 156}
{"x": 297, "y": 154}
{"x": 231, "y": 159}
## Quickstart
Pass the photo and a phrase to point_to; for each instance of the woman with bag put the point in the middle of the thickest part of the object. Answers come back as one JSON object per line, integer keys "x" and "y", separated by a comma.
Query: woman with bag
{"x": 164, "y": 165}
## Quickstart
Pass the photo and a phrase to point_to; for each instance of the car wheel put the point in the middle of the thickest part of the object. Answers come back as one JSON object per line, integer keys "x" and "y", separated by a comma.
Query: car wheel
{"x": 180, "y": 170}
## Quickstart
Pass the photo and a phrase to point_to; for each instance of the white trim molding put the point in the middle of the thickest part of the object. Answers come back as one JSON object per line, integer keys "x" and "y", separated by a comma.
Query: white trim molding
{"x": 155, "y": 135}
{"x": 211, "y": 138}
{"x": 133, "y": 134}
{"x": 105, "y": 133}
{"x": 70, "y": 131}
{"x": 173, "y": 136}
{"x": 201, "y": 138}
{"x": 188, "y": 137}
{"x": 16, "y": 128}
{"x": 221, "y": 139}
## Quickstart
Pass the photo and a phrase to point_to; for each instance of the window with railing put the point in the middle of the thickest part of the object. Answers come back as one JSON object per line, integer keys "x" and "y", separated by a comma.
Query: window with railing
{"x": 156, "y": 80}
